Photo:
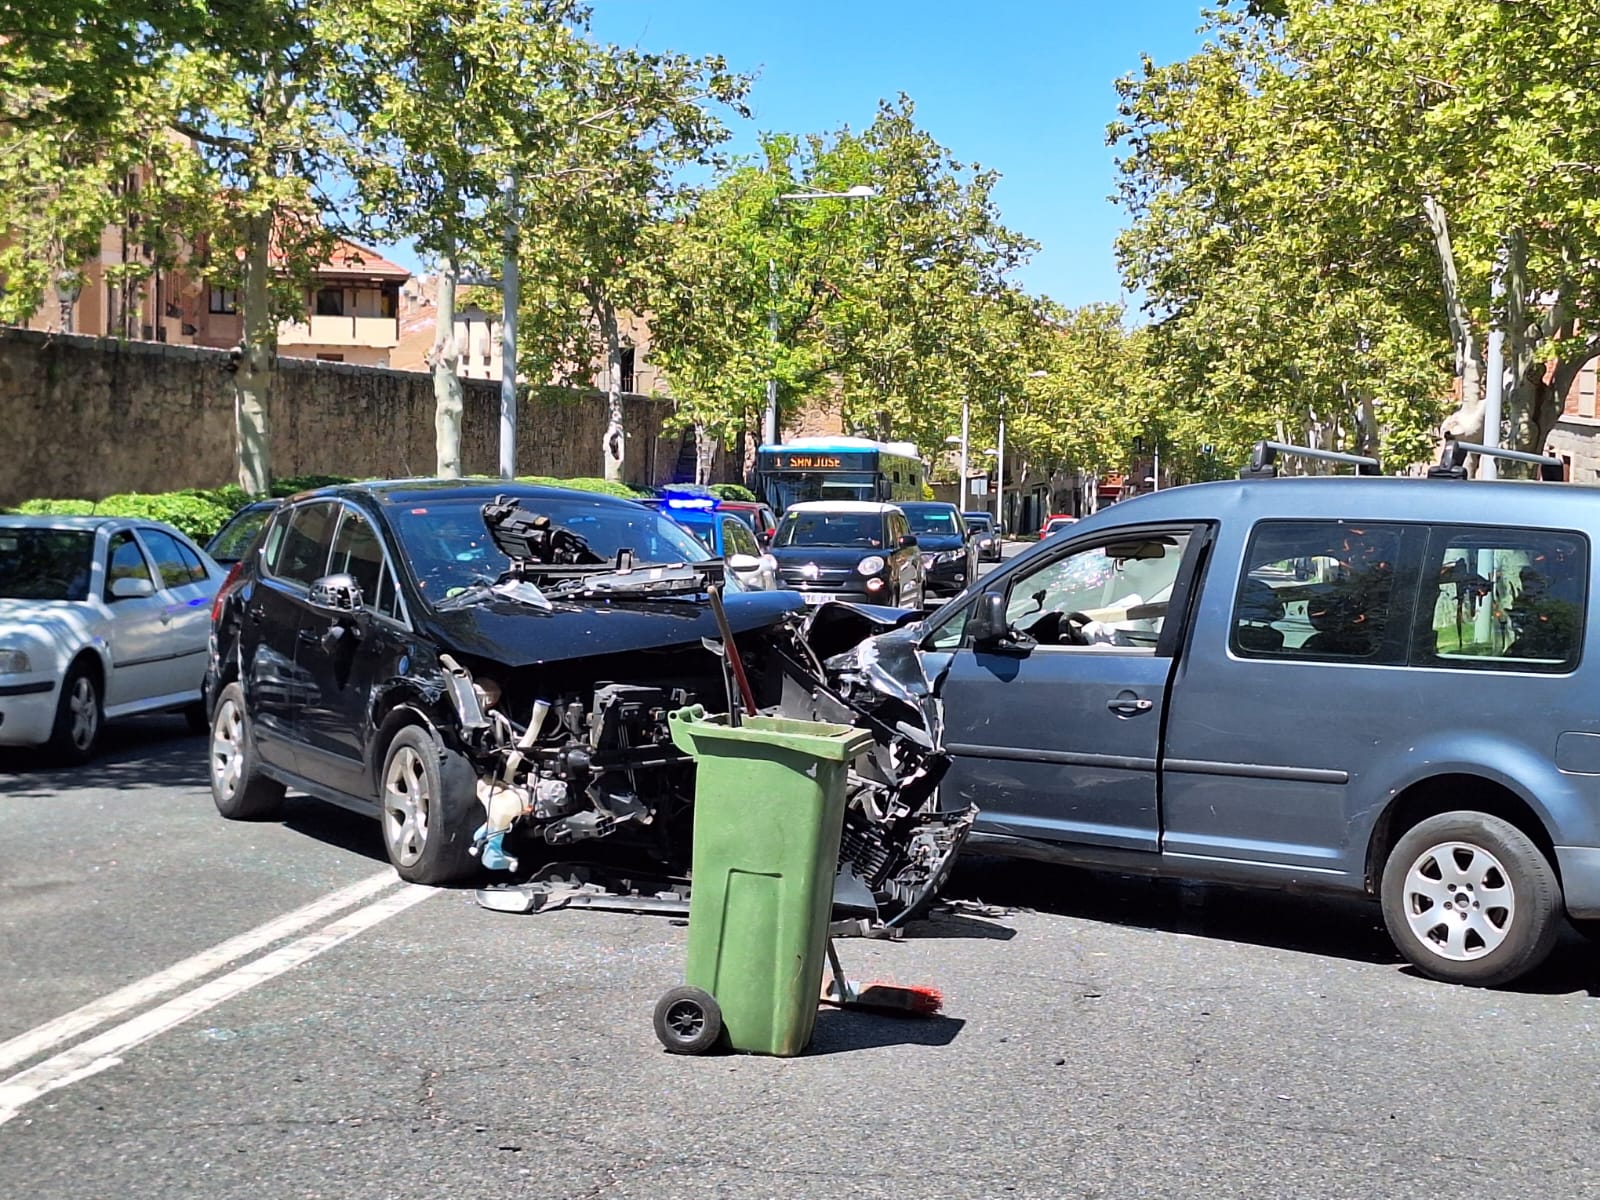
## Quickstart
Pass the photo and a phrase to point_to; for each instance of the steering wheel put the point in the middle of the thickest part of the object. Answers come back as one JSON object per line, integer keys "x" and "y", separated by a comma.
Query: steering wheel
{"x": 1075, "y": 622}
{"x": 63, "y": 586}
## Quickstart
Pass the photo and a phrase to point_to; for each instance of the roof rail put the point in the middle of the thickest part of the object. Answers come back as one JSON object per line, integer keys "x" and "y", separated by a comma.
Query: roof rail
{"x": 1452, "y": 463}
{"x": 1264, "y": 460}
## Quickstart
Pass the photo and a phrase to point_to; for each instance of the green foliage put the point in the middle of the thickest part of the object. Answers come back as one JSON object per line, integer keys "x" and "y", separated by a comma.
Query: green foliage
{"x": 198, "y": 513}
{"x": 732, "y": 491}
{"x": 606, "y": 487}
{"x": 289, "y": 485}
{"x": 56, "y": 508}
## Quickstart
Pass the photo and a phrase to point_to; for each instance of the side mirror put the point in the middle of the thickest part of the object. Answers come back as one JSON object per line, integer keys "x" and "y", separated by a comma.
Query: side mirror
{"x": 743, "y": 564}
{"x": 338, "y": 594}
{"x": 908, "y": 542}
{"x": 131, "y": 589}
{"x": 989, "y": 629}
{"x": 764, "y": 537}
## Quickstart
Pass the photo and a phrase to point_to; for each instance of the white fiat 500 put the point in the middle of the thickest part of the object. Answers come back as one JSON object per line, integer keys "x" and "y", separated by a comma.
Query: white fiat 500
{"x": 100, "y": 617}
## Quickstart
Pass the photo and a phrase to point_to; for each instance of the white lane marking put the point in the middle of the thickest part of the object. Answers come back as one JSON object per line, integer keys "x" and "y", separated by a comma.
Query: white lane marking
{"x": 97, "y": 1012}
{"x": 101, "y": 1052}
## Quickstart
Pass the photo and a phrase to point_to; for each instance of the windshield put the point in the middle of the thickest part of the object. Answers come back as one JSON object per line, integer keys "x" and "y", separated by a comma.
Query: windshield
{"x": 449, "y": 548}
{"x": 938, "y": 522}
{"x": 979, "y": 523}
{"x": 830, "y": 529}
{"x": 45, "y": 564}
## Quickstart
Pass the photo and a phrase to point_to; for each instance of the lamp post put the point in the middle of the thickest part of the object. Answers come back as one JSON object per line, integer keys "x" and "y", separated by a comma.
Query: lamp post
{"x": 68, "y": 285}
{"x": 769, "y": 425}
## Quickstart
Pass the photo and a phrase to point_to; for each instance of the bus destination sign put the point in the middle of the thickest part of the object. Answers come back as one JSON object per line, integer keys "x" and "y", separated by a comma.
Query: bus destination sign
{"x": 817, "y": 460}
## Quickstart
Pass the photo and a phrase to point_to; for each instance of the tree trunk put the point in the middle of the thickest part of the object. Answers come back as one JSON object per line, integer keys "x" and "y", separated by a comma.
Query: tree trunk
{"x": 1466, "y": 423}
{"x": 257, "y": 363}
{"x": 705, "y": 450}
{"x": 444, "y": 358}
{"x": 612, "y": 447}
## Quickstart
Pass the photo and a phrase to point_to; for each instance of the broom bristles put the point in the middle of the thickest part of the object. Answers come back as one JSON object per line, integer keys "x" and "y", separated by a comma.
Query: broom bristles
{"x": 894, "y": 998}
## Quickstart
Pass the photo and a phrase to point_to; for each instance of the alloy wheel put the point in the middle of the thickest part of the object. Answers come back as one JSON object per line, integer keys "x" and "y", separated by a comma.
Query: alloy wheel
{"x": 1458, "y": 901}
{"x": 227, "y": 748}
{"x": 405, "y": 807}
{"x": 84, "y": 706}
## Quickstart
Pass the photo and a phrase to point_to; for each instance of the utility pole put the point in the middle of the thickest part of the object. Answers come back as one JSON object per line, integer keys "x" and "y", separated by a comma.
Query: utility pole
{"x": 1000, "y": 475}
{"x": 769, "y": 428}
{"x": 966, "y": 415}
{"x": 1495, "y": 367}
{"x": 1155, "y": 458}
{"x": 510, "y": 297}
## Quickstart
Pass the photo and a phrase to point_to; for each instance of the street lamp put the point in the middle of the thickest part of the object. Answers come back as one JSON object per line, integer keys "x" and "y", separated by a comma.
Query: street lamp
{"x": 861, "y": 191}
{"x": 966, "y": 419}
{"x": 68, "y": 285}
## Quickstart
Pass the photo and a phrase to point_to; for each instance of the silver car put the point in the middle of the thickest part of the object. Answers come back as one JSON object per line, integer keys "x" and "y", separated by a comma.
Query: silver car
{"x": 100, "y": 617}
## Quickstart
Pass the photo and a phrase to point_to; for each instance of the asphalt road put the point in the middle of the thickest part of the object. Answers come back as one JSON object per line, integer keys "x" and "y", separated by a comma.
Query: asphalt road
{"x": 1101, "y": 1037}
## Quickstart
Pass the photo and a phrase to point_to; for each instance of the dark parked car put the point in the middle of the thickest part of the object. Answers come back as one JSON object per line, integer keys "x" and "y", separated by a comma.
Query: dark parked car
{"x": 488, "y": 669}
{"x": 1374, "y": 686}
{"x": 949, "y": 557}
{"x": 985, "y": 536}
{"x": 855, "y": 550}
{"x": 228, "y": 544}
{"x": 755, "y": 514}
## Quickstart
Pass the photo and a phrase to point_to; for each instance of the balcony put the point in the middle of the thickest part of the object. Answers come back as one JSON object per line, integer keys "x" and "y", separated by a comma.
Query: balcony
{"x": 379, "y": 333}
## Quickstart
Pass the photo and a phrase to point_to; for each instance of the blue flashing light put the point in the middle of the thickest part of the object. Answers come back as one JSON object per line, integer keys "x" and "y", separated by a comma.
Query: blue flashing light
{"x": 687, "y": 499}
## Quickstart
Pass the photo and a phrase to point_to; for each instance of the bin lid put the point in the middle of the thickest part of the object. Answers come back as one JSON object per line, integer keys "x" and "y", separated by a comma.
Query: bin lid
{"x": 822, "y": 740}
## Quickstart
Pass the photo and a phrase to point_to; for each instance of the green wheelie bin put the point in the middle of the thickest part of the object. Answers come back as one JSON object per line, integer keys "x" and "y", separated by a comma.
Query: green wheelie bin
{"x": 768, "y": 807}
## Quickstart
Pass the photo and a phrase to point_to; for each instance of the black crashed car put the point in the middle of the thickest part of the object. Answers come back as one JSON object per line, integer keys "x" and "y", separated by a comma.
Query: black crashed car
{"x": 949, "y": 559}
{"x": 488, "y": 668}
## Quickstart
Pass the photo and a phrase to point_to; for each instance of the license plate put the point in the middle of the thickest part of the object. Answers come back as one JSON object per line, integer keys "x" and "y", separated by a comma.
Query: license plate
{"x": 818, "y": 597}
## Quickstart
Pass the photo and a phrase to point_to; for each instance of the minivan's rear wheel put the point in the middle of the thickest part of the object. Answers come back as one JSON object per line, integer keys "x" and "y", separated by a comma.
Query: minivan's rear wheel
{"x": 1469, "y": 898}
{"x": 428, "y": 805}
{"x": 239, "y": 790}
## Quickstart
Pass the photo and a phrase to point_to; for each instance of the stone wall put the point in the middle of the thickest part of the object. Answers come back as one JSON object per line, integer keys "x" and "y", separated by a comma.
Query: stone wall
{"x": 90, "y": 417}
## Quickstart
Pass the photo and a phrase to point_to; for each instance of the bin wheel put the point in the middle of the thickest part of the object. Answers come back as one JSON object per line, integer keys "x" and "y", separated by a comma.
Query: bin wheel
{"x": 688, "y": 1020}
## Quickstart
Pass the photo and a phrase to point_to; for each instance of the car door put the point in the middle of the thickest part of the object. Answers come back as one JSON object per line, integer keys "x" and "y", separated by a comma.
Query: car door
{"x": 1057, "y": 736}
{"x": 186, "y": 594}
{"x": 136, "y": 628}
{"x": 340, "y": 659}
{"x": 275, "y": 613}
{"x": 738, "y": 539}
{"x": 906, "y": 561}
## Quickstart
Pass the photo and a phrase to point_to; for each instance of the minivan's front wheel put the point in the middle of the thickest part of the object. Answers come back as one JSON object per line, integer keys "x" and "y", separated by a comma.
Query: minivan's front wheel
{"x": 1469, "y": 898}
{"x": 428, "y": 805}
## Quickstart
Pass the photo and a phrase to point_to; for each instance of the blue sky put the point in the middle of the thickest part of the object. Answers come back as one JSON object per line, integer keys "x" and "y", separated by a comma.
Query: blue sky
{"x": 1020, "y": 86}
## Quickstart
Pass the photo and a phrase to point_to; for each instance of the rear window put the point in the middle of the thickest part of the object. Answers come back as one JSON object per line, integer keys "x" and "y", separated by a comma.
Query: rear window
{"x": 1503, "y": 599}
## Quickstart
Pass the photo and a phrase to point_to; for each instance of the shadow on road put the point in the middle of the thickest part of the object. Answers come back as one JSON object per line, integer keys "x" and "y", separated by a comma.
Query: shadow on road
{"x": 839, "y": 1031}
{"x": 949, "y": 921}
{"x": 144, "y": 752}
{"x": 352, "y": 832}
{"x": 1330, "y": 926}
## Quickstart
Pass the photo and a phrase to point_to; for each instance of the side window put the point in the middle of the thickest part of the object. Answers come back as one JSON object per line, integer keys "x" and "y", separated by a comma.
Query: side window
{"x": 172, "y": 560}
{"x": 126, "y": 561}
{"x": 1319, "y": 590}
{"x": 948, "y": 634}
{"x": 737, "y": 538}
{"x": 1502, "y": 599}
{"x": 358, "y": 552}
{"x": 1112, "y": 594}
{"x": 301, "y": 553}
{"x": 191, "y": 560}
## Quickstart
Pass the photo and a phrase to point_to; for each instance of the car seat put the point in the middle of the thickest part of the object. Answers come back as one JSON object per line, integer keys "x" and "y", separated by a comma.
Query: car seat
{"x": 1258, "y": 608}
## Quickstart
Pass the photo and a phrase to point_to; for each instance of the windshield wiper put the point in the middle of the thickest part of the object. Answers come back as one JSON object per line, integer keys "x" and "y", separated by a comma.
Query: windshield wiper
{"x": 672, "y": 579}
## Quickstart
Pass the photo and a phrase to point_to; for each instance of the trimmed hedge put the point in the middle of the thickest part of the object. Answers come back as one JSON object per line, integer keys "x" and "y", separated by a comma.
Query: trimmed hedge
{"x": 200, "y": 512}
{"x": 733, "y": 491}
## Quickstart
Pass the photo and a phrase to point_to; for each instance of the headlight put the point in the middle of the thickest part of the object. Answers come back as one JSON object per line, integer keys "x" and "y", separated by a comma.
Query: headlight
{"x": 871, "y": 565}
{"x": 949, "y": 556}
{"x": 14, "y": 662}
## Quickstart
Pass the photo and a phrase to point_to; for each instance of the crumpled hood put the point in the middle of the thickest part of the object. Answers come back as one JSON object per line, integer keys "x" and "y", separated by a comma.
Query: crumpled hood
{"x": 519, "y": 635}
{"x": 58, "y": 625}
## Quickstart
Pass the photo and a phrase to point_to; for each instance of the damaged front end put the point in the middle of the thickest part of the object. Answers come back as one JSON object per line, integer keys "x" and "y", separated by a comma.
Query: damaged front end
{"x": 572, "y": 751}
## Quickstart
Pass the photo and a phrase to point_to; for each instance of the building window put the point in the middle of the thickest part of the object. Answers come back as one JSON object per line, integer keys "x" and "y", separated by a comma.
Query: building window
{"x": 330, "y": 358}
{"x": 330, "y": 302}
{"x": 224, "y": 300}
{"x": 626, "y": 384}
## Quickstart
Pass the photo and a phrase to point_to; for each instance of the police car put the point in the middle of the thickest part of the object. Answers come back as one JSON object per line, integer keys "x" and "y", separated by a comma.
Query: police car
{"x": 724, "y": 532}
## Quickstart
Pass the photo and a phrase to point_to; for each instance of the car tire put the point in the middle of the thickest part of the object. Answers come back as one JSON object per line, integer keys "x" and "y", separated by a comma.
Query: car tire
{"x": 80, "y": 714}
{"x": 1469, "y": 898}
{"x": 428, "y": 805}
{"x": 238, "y": 789}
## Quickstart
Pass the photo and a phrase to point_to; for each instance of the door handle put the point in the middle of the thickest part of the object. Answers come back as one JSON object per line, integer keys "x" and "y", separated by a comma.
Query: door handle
{"x": 1127, "y": 706}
